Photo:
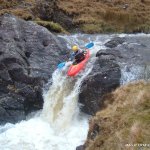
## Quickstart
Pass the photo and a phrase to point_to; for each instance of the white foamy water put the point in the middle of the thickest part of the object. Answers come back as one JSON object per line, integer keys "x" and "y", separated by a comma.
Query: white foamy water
{"x": 60, "y": 125}
{"x": 36, "y": 134}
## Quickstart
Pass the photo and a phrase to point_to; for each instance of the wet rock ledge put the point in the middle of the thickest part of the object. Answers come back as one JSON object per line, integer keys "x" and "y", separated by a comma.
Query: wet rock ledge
{"x": 29, "y": 54}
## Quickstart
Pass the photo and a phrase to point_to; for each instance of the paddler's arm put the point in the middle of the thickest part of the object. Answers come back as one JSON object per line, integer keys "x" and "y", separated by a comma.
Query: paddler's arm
{"x": 72, "y": 57}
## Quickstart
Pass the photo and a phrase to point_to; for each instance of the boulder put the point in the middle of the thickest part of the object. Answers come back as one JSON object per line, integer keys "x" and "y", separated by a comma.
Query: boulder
{"x": 81, "y": 147}
{"x": 115, "y": 42}
{"x": 127, "y": 61}
{"x": 50, "y": 10}
{"x": 29, "y": 54}
{"x": 104, "y": 78}
{"x": 133, "y": 58}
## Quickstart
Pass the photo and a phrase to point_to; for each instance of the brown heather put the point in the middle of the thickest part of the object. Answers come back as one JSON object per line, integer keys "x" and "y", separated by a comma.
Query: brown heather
{"x": 18, "y": 8}
{"x": 92, "y": 16}
{"x": 109, "y": 15}
{"x": 124, "y": 120}
{"x": 51, "y": 26}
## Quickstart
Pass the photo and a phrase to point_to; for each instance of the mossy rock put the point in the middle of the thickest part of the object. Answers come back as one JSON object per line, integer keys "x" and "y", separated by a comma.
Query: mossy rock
{"x": 55, "y": 27}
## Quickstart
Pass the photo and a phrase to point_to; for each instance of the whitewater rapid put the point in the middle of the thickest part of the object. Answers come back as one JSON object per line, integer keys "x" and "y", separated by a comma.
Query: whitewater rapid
{"x": 59, "y": 125}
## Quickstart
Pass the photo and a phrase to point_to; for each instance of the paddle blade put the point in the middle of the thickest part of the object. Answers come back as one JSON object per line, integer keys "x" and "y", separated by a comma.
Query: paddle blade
{"x": 89, "y": 45}
{"x": 61, "y": 65}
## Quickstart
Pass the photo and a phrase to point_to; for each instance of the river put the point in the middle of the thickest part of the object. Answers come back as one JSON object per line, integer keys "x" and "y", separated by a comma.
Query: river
{"x": 59, "y": 125}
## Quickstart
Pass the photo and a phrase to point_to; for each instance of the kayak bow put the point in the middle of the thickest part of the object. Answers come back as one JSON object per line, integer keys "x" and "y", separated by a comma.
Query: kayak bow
{"x": 75, "y": 69}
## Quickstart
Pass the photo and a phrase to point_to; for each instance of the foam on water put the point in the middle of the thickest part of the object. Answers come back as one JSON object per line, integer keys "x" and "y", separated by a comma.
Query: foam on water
{"x": 36, "y": 134}
{"x": 60, "y": 125}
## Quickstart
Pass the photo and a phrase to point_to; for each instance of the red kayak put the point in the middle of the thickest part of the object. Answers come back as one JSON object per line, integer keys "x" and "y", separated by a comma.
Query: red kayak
{"x": 75, "y": 69}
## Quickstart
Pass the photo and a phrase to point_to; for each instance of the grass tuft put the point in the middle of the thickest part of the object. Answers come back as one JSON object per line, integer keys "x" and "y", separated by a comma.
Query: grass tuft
{"x": 55, "y": 27}
{"x": 97, "y": 16}
{"x": 126, "y": 120}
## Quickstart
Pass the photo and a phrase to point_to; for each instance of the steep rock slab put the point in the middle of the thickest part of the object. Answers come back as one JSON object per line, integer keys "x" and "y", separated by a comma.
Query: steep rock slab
{"x": 126, "y": 61}
{"x": 115, "y": 42}
{"x": 104, "y": 77}
{"x": 29, "y": 54}
{"x": 132, "y": 56}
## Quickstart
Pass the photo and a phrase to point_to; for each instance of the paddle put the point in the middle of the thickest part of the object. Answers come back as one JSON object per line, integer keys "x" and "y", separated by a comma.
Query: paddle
{"x": 61, "y": 65}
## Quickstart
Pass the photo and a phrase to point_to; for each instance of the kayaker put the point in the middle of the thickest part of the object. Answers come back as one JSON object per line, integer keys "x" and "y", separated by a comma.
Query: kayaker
{"x": 77, "y": 55}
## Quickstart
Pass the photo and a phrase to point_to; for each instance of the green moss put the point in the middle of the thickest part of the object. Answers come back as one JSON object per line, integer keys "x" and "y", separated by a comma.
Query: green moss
{"x": 2, "y": 12}
{"x": 93, "y": 17}
{"x": 6, "y": 4}
{"x": 133, "y": 28}
{"x": 91, "y": 28}
{"x": 98, "y": 28}
{"x": 55, "y": 27}
{"x": 107, "y": 28}
{"x": 142, "y": 28}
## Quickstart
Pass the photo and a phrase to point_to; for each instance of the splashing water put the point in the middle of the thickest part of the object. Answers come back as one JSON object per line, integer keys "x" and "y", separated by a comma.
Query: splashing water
{"x": 61, "y": 100}
{"x": 60, "y": 125}
{"x": 57, "y": 126}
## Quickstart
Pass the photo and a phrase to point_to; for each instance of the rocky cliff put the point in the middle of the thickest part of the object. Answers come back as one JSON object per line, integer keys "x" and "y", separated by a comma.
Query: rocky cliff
{"x": 29, "y": 54}
{"x": 125, "y": 59}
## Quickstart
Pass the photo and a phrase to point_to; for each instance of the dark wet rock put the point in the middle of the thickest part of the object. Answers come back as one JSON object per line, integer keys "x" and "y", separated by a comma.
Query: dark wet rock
{"x": 93, "y": 131}
{"x": 49, "y": 10}
{"x": 11, "y": 108}
{"x": 63, "y": 19}
{"x": 81, "y": 147}
{"x": 133, "y": 58}
{"x": 104, "y": 78}
{"x": 114, "y": 42}
{"x": 127, "y": 62}
{"x": 29, "y": 54}
{"x": 44, "y": 9}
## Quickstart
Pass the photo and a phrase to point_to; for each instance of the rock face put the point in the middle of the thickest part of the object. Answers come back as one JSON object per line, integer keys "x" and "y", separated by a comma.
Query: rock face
{"x": 114, "y": 42}
{"x": 104, "y": 77}
{"x": 45, "y": 9}
{"x": 82, "y": 147}
{"x": 28, "y": 55}
{"x": 132, "y": 57}
{"x": 49, "y": 10}
{"x": 126, "y": 60}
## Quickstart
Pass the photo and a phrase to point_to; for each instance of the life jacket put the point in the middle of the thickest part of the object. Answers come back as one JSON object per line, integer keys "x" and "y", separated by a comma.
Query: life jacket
{"x": 79, "y": 55}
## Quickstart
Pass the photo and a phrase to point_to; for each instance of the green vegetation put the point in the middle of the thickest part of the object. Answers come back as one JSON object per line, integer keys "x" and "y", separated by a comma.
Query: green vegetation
{"x": 97, "y": 16}
{"x": 98, "y": 28}
{"x": 51, "y": 26}
{"x": 24, "y": 14}
{"x": 109, "y": 16}
{"x": 91, "y": 28}
{"x": 5, "y": 4}
{"x": 125, "y": 121}
{"x": 17, "y": 8}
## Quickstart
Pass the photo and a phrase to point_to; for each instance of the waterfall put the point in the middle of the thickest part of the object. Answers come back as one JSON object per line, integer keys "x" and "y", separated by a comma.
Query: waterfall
{"x": 59, "y": 125}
